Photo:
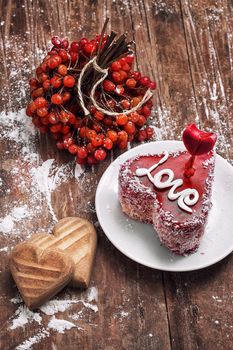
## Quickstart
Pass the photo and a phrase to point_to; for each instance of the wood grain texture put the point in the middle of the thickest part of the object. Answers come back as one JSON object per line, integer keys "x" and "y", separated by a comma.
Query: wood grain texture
{"x": 187, "y": 46}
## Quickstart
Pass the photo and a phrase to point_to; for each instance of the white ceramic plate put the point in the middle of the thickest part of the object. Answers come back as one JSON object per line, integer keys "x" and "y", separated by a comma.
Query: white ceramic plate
{"x": 140, "y": 242}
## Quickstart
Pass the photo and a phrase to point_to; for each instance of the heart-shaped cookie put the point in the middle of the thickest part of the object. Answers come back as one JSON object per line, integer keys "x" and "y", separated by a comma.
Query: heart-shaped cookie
{"x": 77, "y": 238}
{"x": 154, "y": 188}
{"x": 39, "y": 274}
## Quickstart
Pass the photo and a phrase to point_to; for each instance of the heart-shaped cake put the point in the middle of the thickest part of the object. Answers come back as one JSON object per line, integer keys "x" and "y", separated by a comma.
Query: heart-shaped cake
{"x": 39, "y": 274}
{"x": 154, "y": 189}
{"x": 77, "y": 238}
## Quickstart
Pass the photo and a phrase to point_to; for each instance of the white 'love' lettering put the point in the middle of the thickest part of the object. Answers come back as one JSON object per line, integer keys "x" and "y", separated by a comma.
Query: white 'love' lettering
{"x": 185, "y": 198}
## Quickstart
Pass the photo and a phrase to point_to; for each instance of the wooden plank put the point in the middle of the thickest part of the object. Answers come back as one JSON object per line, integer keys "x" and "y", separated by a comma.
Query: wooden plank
{"x": 201, "y": 299}
{"x": 126, "y": 290}
{"x": 188, "y": 47}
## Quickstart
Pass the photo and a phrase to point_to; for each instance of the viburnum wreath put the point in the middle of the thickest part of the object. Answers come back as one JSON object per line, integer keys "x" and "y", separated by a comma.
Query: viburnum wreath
{"x": 87, "y": 96}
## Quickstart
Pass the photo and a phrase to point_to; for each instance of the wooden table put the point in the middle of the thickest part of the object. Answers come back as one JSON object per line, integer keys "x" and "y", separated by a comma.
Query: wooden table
{"x": 187, "y": 47}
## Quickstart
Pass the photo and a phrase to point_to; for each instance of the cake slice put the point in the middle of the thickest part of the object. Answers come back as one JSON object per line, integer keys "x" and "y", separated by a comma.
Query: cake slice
{"x": 154, "y": 189}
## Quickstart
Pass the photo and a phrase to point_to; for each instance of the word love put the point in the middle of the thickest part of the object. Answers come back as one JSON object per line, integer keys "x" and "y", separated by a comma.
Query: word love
{"x": 185, "y": 198}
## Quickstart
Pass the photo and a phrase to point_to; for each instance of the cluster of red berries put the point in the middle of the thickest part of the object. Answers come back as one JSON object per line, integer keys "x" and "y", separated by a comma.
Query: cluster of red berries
{"x": 55, "y": 106}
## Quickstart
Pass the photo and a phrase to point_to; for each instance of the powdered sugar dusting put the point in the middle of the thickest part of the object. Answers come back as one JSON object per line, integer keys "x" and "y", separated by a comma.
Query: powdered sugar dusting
{"x": 23, "y": 316}
{"x": 29, "y": 175}
{"x": 28, "y": 343}
{"x": 60, "y": 325}
{"x": 48, "y": 318}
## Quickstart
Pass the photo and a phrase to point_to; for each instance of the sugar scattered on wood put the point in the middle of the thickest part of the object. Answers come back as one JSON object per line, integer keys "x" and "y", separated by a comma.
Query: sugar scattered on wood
{"x": 60, "y": 325}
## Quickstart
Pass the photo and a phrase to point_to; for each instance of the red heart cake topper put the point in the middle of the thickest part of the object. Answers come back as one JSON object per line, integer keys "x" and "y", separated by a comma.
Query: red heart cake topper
{"x": 197, "y": 142}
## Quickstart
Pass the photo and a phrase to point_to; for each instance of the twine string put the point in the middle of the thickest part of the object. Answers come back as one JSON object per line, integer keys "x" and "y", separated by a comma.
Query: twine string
{"x": 93, "y": 62}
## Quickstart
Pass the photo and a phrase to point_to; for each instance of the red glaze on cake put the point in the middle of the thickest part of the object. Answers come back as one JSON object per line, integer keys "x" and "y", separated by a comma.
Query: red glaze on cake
{"x": 178, "y": 230}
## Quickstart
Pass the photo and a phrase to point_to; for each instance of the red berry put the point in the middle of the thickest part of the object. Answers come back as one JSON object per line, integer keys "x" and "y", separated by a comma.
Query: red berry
{"x": 33, "y": 83}
{"x": 89, "y": 48}
{"x": 123, "y": 61}
{"x": 54, "y": 61}
{"x": 133, "y": 117}
{"x": 92, "y": 110}
{"x": 135, "y": 101}
{"x": 149, "y": 132}
{"x": 74, "y": 46}
{"x": 64, "y": 43}
{"x": 91, "y": 134}
{"x": 32, "y": 107}
{"x": 97, "y": 141}
{"x": 130, "y": 128}
{"x": 141, "y": 120}
{"x": 122, "y": 145}
{"x": 56, "y": 81}
{"x": 121, "y": 119}
{"x": 126, "y": 67}
{"x": 96, "y": 127}
{"x": 144, "y": 81}
{"x": 90, "y": 148}
{"x": 136, "y": 75}
{"x": 28, "y": 111}
{"x": 146, "y": 111}
{"x": 37, "y": 93}
{"x": 56, "y": 99}
{"x": 123, "y": 74}
{"x": 125, "y": 104}
{"x": 116, "y": 76}
{"x": 142, "y": 135}
{"x": 46, "y": 84}
{"x": 69, "y": 81}
{"x": 82, "y": 152}
{"x": 56, "y": 128}
{"x": 107, "y": 143}
{"x": 152, "y": 85}
{"x": 65, "y": 129}
{"x": 119, "y": 90}
{"x": 74, "y": 57}
{"x": 53, "y": 118}
{"x": 122, "y": 136}
{"x": 129, "y": 59}
{"x": 40, "y": 102}
{"x": 99, "y": 115}
{"x": 100, "y": 154}
{"x": 83, "y": 131}
{"x": 108, "y": 86}
{"x": 131, "y": 83}
{"x": 38, "y": 71}
{"x": 63, "y": 117}
{"x": 42, "y": 112}
{"x": 116, "y": 66}
{"x": 64, "y": 55}
{"x": 43, "y": 77}
{"x": 72, "y": 118}
{"x": 66, "y": 96}
{"x": 83, "y": 42}
{"x": 68, "y": 142}
{"x": 56, "y": 41}
{"x": 62, "y": 69}
{"x": 112, "y": 135}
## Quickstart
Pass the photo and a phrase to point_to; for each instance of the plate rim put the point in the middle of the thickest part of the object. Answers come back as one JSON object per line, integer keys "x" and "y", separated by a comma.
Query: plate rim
{"x": 138, "y": 260}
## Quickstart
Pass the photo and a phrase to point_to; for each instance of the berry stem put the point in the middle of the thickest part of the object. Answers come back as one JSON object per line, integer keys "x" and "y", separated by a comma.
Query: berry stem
{"x": 189, "y": 169}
